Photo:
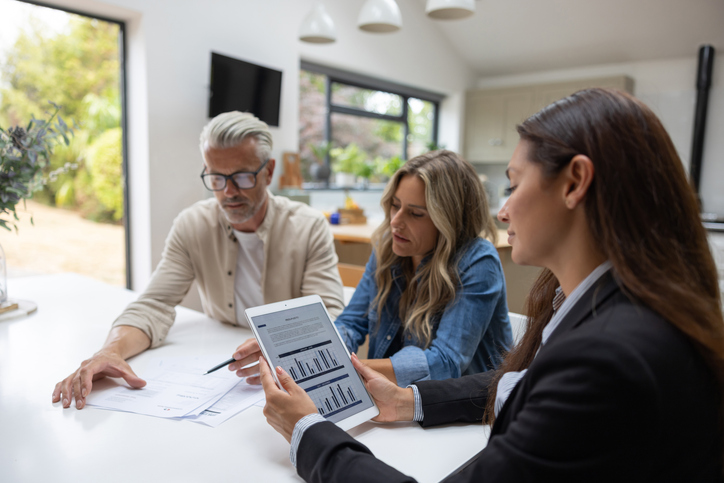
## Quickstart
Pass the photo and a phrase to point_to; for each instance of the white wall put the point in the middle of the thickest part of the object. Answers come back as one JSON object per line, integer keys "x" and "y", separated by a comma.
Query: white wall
{"x": 169, "y": 55}
{"x": 669, "y": 88}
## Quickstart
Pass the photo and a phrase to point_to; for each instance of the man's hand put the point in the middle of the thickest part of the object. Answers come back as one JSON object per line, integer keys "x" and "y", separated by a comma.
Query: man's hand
{"x": 247, "y": 353}
{"x": 284, "y": 409}
{"x": 80, "y": 383}
{"x": 123, "y": 342}
{"x": 395, "y": 403}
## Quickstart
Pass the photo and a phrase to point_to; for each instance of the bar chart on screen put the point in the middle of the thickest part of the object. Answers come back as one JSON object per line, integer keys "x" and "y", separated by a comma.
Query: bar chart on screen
{"x": 334, "y": 395}
{"x": 311, "y": 361}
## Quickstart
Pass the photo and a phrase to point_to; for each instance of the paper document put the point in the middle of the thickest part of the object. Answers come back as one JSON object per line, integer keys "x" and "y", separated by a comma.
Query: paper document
{"x": 176, "y": 388}
{"x": 241, "y": 397}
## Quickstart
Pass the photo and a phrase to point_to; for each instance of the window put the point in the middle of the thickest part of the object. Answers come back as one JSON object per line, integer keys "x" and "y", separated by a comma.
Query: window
{"x": 379, "y": 120}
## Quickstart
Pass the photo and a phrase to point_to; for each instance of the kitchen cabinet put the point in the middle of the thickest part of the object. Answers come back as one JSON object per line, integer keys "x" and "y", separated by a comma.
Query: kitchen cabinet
{"x": 491, "y": 118}
{"x": 493, "y": 114}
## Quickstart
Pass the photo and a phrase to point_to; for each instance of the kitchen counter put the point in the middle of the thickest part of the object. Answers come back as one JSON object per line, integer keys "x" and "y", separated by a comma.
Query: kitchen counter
{"x": 363, "y": 234}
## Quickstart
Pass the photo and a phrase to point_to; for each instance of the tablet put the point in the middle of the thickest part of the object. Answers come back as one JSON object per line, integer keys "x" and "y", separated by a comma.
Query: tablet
{"x": 299, "y": 335}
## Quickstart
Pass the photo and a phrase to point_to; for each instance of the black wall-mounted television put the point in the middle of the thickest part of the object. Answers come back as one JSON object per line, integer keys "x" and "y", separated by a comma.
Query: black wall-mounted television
{"x": 242, "y": 86}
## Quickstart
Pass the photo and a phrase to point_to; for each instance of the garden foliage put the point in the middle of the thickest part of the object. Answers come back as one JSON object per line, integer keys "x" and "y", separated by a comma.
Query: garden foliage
{"x": 78, "y": 69}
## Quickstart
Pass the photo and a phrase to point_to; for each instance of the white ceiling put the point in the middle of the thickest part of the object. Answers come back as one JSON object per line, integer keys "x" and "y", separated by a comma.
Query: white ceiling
{"x": 507, "y": 37}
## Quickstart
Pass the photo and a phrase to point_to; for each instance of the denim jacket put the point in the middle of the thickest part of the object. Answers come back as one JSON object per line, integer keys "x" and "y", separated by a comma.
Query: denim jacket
{"x": 468, "y": 337}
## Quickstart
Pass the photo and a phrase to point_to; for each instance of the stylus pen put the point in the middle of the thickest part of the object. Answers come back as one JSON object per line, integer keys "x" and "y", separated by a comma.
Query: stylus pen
{"x": 216, "y": 368}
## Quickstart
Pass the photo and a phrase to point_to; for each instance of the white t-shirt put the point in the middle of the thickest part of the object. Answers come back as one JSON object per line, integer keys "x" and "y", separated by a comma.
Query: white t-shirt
{"x": 249, "y": 267}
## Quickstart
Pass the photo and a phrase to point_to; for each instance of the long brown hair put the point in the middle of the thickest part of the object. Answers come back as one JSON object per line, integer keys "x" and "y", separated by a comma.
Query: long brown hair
{"x": 458, "y": 208}
{"x": 641, "y": 210}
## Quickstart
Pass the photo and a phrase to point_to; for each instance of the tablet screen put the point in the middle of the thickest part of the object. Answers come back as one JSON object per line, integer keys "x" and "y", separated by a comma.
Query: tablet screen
{"x": 304, "y": 342}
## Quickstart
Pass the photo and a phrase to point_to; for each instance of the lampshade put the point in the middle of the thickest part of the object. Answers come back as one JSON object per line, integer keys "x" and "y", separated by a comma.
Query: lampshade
{"x": 450, "y": 9}
{"x": 318, "y": 27}
{"x": 380, "y": 16}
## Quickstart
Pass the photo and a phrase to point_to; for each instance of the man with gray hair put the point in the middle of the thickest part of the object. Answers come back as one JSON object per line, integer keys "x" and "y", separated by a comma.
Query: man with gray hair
{"x": 245, "y": 247}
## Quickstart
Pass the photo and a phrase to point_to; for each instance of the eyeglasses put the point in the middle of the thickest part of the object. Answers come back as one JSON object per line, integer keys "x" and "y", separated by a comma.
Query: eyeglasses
{"x": 243, "y": 180}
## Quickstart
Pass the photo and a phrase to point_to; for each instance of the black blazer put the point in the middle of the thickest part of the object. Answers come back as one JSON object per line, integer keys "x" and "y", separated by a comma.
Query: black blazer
{"x": 617, "y": 394}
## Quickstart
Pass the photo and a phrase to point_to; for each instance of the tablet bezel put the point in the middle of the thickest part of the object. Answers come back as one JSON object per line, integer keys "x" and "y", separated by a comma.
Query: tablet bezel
{"x": 350, "y": 421}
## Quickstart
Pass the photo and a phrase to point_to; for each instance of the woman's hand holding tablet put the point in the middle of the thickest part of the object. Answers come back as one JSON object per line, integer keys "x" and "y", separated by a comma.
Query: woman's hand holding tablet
{"x": 283, "y": 409}
{"x": 394, "y": 402}
{"x": 298, "y": 335}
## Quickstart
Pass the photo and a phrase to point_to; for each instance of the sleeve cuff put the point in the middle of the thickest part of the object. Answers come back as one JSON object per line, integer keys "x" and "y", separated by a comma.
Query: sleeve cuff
{"x": 342, "y": 330}
{"x": 418, "y": 415}
{"x": 299, "y": 428}
{"x": 410, "y": 365}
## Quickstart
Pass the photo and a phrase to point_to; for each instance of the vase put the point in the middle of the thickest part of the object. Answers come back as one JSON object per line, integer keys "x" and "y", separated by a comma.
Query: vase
{"x": 345, "y": 180}
{"x": 11, "y": 308}
{"x": 3, "y": 278}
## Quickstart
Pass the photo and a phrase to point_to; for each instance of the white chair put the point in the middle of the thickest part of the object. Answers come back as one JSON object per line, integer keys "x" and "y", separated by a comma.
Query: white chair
{"x": 347, "y": 292}
{"x": 517, "y": 323}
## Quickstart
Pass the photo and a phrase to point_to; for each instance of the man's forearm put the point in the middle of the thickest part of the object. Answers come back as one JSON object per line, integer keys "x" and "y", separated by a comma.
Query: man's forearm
{"x": 126, "y": 341}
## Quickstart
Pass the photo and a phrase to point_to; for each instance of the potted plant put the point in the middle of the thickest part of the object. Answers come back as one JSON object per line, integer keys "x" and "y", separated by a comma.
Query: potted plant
{"x": 24, "y": 156}
{"x": 347, "y": 163}
{"x": 385, "y": 168}
{"x": 434, "y": 146}
{"x": 364, "y": 171}
{"x": 320, "y": 170}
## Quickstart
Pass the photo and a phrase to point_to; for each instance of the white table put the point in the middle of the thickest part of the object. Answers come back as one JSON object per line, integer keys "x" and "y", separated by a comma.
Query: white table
{"x": 41, "y": 441}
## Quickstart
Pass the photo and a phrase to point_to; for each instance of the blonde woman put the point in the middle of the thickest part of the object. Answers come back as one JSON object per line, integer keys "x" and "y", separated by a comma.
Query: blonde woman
{"x": 432, "y": 298}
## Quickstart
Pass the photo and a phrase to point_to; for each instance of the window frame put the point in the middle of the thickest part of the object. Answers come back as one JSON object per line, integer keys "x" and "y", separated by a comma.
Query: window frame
{"x": 333, "y": 75}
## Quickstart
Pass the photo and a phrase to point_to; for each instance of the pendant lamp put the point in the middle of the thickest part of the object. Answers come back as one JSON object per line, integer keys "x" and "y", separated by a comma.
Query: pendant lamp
{"x": 450, "y": 9}
{"x": 318, "y": 27}
{"x": 380, "y": 16}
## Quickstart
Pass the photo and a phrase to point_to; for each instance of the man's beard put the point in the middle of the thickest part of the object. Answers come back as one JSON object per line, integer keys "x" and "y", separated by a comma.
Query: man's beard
{"x": 241, "y": 214}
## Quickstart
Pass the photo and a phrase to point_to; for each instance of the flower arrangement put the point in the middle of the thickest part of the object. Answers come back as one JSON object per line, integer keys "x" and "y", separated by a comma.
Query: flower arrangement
{"x": 24, "y": 155}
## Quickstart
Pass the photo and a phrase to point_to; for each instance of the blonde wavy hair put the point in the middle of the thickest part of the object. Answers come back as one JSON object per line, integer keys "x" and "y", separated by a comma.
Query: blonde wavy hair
{"x": 458, "y": 207}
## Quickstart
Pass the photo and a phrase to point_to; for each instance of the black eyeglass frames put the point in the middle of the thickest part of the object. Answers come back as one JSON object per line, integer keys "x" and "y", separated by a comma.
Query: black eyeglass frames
{"x": 243, "y": 180}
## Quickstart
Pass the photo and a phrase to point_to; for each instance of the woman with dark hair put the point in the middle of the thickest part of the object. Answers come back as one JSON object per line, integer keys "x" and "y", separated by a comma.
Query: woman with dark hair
{"x": 620, "y": 374}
